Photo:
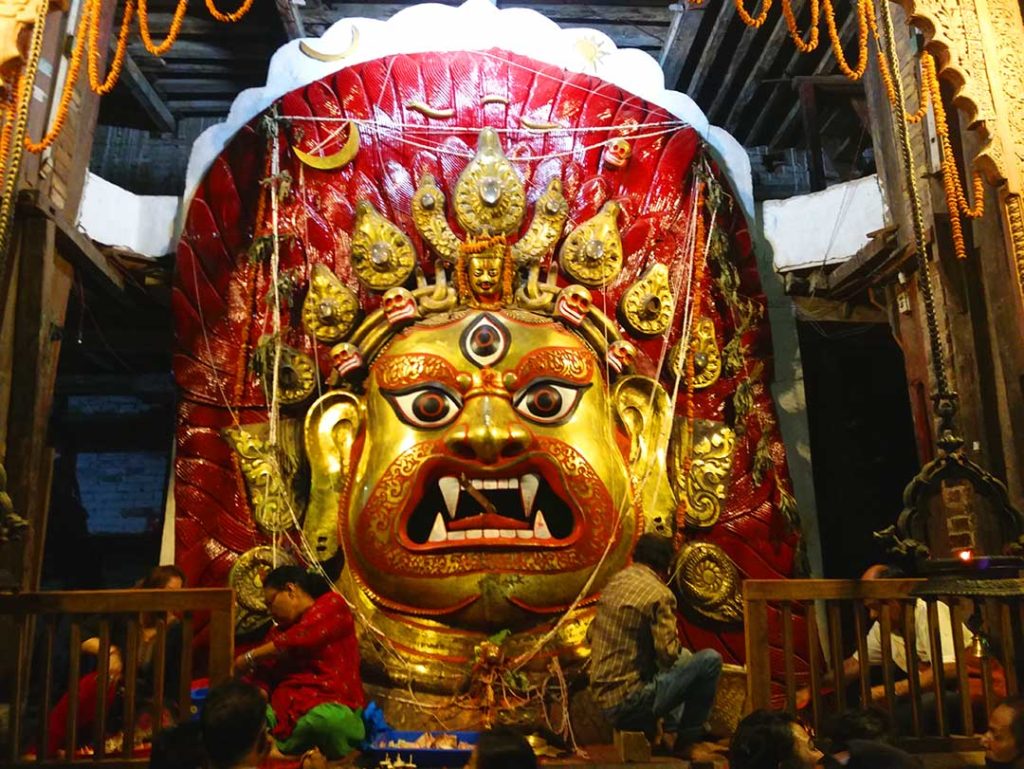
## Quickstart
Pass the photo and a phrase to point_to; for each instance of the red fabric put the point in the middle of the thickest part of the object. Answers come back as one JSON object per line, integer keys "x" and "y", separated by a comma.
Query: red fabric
{"x": 320, "y": 663}
{"x": 86, "y": 714}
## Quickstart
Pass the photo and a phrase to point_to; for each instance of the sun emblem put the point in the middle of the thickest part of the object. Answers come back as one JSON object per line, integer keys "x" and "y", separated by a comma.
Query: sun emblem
{"x": 592, "y": 50}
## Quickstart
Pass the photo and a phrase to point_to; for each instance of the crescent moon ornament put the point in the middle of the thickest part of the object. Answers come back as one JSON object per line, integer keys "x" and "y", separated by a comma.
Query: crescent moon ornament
{"x": 320, "y": 56}
{"x": 339, "y": 159}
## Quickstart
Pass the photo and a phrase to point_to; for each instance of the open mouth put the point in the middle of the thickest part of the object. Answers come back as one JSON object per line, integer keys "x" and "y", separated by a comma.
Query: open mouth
{"x": 522, "y": 511}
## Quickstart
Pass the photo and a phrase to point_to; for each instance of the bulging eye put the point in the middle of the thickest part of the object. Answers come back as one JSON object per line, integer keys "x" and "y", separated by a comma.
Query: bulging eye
{"x": 425, "y": 406}
{"x": 547, "y": 402}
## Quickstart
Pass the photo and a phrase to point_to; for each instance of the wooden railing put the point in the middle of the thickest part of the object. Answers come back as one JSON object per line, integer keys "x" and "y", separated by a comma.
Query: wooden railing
{"x": 36, "y": 618}
{"x": 844, "y": 606}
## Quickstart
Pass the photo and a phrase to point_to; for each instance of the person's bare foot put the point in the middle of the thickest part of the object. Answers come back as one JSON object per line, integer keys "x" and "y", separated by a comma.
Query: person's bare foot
{"x": 700, "y": 751}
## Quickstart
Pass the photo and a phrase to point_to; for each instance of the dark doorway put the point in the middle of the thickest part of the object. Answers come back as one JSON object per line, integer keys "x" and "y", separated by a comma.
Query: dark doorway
{"x": 862, "y": 440}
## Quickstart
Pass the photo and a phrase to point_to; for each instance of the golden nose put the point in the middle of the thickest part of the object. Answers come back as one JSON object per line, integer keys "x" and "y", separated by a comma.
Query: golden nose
{"x": 487, "y": 431}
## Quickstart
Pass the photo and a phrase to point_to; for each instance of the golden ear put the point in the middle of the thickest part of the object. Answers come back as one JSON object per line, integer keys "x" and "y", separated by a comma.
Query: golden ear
{"x": 642, "y": 409}
{"x": 333, "y": 424}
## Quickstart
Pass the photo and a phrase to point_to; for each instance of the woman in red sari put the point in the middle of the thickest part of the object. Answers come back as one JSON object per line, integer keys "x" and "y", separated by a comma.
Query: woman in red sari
{"x": 309, "y": 666}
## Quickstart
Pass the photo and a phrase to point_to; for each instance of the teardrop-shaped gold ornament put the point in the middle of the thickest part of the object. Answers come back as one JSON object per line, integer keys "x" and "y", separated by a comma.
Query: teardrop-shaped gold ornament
{"x": 430, "y": 220}
{"x": 592, "y": 254}
{"x": 647, "y": 305}
{"x": 489, "y": 196}
{"x": 707, "y": 358}
{"x": 545, "y": 228}
{"x": 382, "y": 255}
{"x": 330, "y": 310}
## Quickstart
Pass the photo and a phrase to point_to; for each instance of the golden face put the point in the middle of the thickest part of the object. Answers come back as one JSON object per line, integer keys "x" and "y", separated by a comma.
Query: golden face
{"x": 489, "y": 473}
{"x": 484, "y": 273}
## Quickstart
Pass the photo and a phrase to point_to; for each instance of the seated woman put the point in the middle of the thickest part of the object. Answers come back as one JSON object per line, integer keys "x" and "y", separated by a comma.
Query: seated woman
{"x": 166, "y": 577}
{"x": 309, "y": 665}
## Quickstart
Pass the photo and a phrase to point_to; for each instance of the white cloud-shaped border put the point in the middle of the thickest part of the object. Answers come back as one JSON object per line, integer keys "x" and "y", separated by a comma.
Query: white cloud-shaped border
{"x": 475, "y": 25}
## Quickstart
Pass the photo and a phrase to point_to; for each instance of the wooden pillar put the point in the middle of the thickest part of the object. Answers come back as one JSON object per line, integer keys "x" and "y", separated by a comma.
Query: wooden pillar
{"x": 44, "y": 284}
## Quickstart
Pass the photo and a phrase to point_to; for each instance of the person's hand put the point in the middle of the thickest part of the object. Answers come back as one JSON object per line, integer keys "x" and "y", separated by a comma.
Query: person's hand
{"x": 803, "y": 697}
{"x": 313, "y": 759}
{"x": 244, "y": 663}
{"x": 116, "y": 666}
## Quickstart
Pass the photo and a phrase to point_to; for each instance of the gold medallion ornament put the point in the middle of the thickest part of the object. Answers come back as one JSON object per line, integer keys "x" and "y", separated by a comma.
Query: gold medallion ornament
{"x": 330, "y": 310}
{"x": 428, "y": 215}
{"x": 489, "y": 196}
{"x": 647, "y": 305}
{"x": 296, "y": 374}
{"x": 592, "y": 254}
{"x": 707, "y": 358}
{"x": 268, "y": 497}
{"x": 709, "y": 582}
{"x": 246, "y": 578}
{"x": 549, "y": 217}
{"x": 382, "y": 255}
{"x": 699, "y": 467}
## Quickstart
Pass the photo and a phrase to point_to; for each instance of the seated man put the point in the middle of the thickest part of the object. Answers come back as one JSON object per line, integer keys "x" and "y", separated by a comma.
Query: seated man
{"x": 859, "y": 739}
{"x": 769, "y": 739}
{"x": 1004, "y": 740}
{"x": 639, "y": 670}
{"x": 898, "y": 654}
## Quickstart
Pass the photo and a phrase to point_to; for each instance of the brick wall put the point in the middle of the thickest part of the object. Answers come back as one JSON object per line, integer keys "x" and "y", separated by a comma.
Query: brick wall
{"x": 123, "y": 492}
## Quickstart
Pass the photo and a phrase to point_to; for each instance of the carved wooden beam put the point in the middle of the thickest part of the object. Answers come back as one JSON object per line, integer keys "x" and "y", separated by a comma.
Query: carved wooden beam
{"x": 147, "y": 97}
{"x": 977, "y": 47}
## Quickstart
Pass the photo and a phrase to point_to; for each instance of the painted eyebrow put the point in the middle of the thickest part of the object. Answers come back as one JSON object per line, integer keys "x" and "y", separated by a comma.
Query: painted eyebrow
{"x": 394, "y": 372}
{"x": 568, "y": 363}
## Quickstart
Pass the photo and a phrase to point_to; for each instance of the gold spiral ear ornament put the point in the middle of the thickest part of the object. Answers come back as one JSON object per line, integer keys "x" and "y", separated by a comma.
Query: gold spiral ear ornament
{"x": 339, "y": 159}
{"x": 709, "y": 582}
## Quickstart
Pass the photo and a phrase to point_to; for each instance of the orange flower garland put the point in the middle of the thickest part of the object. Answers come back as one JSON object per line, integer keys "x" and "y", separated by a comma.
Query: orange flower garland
{"x": 229, "y": 17}
{"x": 794, "y": 31}
{"x": 752, "y": 21}
{"x": 96, "y": 51}
{"x": 172, "y": 34}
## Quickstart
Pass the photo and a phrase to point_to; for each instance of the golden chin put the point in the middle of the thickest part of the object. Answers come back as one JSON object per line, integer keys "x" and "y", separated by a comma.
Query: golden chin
{"x": 513, "y": 447}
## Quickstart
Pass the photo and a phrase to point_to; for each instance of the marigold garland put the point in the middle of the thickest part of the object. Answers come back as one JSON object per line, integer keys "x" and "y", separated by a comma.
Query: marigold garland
{"x": 794, "y": 31}
{"x": 89, "y": 22}
{"x": 172, "y": 35}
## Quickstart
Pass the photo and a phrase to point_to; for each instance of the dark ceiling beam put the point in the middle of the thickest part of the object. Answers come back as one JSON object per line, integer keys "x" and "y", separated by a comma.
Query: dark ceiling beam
{"x": 748, "y": 56}
{"x": 704, "y": 23}
{"x": 681, "y": 44}
{"x": 590, "y": 12}
{"x": 191, "y": 50}
{"x": 783, "y": 92}
{"x": 827, "y": 63}
{"x": 291, "y": 19}
{"x": 197, "y": 87}
{"x": 711, "y": 48}
{"x": 201, "y": 107}
{"x": 769, "y": 55}
{"x": 147, "y": 97}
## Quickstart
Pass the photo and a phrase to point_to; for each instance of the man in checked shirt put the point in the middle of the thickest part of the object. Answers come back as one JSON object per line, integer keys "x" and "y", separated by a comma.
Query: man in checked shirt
{"x": 639, "y": 671}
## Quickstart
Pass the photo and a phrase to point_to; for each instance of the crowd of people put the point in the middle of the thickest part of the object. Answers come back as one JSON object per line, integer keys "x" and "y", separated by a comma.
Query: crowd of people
{"x": 298, "y": 695}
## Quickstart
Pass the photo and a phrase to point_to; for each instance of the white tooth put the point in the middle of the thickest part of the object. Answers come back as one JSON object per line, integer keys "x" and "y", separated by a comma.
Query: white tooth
{"x": 502, "y": 483}
{"x": 476, "y": 483}
{"x": 528, "y": 490}
{"x": 524, "y": 533}
{"x": 508, "y": 533}
{"x": 456, "y": 536}
{"x": 450, "y": 491}
{"x": 474, "y": 533}
{"x": 513, "y": 483}
{"x": 439, "y": 533}
{"x": 491, "y": 533}
{"x": 540, "y": 527}
{"x": 490, "y": 483}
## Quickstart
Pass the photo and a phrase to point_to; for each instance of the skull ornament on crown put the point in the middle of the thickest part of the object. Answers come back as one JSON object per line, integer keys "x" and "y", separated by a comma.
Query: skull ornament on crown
{"x": 502, "y": 417}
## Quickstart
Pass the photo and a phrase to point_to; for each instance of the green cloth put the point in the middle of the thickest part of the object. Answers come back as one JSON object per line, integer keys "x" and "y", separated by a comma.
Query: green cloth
{"x": 335, "y": 729}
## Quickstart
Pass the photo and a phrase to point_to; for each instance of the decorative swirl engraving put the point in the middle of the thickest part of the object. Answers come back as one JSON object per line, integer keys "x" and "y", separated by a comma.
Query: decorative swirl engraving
{"x": 699, "y": 467}
{"x": 296, "y": 377}
{"x": 592, "y": 254}
{"x": 268, "y": 497}
{"x": 246, "y": 578}
{"x": 330, "y": 310}
{"x": 709, "y": 582}
{"x": 382, "y": 255}
{"x": 489, "y": 196}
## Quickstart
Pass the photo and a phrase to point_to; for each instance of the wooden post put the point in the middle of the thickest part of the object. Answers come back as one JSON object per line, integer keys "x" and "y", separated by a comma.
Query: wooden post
{"x": 44, "y": 286}
{"x": 812, "y": 133}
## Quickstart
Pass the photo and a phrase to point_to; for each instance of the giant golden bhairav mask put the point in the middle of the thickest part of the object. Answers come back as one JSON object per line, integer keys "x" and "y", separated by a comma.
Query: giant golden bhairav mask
{"x": 498, "y": 350}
